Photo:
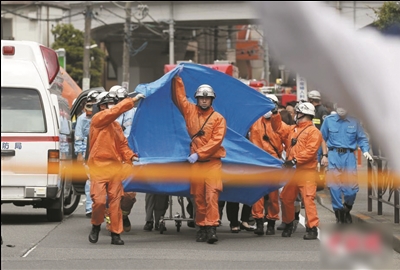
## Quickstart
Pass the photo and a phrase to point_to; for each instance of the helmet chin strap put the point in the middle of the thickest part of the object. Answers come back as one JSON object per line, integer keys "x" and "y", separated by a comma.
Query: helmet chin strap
{"x": 297, "y": 118}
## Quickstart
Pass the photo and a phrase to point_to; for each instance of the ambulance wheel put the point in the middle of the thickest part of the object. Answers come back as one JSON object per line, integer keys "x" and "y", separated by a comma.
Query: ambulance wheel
{"x": 72, "y": 202}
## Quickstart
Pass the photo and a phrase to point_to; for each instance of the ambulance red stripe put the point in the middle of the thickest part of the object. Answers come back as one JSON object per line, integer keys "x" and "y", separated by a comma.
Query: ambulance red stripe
{"x": 30, "y": 139}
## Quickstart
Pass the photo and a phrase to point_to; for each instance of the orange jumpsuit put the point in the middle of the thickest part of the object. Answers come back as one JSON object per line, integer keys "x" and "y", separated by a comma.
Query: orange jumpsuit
{"x": 206, "y": 182}
{"x": 128, "y": 197}
{"x": 108, "y": 150}
{"x": 274, "y": 147}
{"x": 309, "y": 140}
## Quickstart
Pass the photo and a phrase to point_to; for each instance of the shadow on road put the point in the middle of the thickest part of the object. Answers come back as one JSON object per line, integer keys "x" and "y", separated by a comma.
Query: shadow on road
{"x": 23, "y": 219}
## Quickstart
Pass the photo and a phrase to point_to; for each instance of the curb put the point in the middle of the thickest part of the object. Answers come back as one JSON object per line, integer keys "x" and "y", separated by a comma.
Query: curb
{"x": 325, "y": 200}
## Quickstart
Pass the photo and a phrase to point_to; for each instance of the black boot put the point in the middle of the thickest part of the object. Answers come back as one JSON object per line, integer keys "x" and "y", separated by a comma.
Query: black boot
{"x": 311, "y": 234}
{"x": 201, "y": 234}
{"x": 126, "y": 223}
{"x": 342, "y": 216}
{"x": 337, "y": 215}
{"x": 270, "y": 227}
{"x": 287, "y": 231}
{"x": 212, "y": 234}
{"x": 148, "y": 226}
{"x": 116, "y": 239}
{"x": 296, "y": 221}
{"x": 260, "y": 226}
{"x": 94, "y": 234}
{"x": 347, "y": 216}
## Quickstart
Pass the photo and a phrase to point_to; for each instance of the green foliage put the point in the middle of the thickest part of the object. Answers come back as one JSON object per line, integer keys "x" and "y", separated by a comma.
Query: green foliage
{"x": 72, "y": 40}
{"x": 388, "y": 15}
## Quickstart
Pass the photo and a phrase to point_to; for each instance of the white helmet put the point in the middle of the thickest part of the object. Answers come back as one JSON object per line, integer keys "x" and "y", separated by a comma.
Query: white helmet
{"x": 104, "y": 98}
{"x": 118, "y": 91}
{"x": 314, "y": 94}
{"x": 91, "y": 96}
{"x": 305, "y": 108}
{"x": 204, "y": 90}
{"x": 273, "y": 98}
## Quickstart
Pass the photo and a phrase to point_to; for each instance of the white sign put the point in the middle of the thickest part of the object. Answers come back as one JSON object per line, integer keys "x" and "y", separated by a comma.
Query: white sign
{"x": 301, "y": 88}
{"x": 85, "y": 84}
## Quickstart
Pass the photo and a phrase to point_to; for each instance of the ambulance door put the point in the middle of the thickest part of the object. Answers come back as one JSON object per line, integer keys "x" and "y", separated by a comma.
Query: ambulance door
{"x": 27, "y": 139}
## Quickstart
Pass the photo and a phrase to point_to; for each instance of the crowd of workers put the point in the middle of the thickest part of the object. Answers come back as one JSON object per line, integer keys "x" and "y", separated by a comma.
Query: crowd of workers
{"x": 304, "y": 134}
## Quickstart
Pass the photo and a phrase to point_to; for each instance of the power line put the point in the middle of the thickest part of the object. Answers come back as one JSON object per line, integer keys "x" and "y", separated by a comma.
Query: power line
{"x": 116, "y": 4}
{"x": 99, "y": 20}
{"x": 163, "y": 34}
{"x": 42, "y": 20}
{"x": 112, "y": 12}
{"x": 18, "y": 8}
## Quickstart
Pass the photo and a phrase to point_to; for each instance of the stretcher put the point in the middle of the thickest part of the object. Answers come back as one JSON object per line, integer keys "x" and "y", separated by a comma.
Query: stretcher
{"x": 178, "y": 217}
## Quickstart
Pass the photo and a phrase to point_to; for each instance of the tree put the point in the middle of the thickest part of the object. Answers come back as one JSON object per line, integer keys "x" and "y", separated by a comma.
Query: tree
{"x": 72, "y": 40}
{"x": 388, "y": 15}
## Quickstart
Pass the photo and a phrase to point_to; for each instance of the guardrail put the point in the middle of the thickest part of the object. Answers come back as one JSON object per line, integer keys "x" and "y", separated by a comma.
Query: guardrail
{"x": 383, "y": 187}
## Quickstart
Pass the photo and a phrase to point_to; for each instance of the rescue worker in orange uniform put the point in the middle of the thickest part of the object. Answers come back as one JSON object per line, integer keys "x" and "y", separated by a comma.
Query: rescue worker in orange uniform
{"x": 109, "y": 151}
{"x": 305, "y": 140}
{"x": 125, "y": 120}
{"x": 262, "y": 135}
{"x": 207, "y": 129}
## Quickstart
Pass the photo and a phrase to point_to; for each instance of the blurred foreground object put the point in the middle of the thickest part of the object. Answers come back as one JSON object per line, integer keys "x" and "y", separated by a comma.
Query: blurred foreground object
{"x": 358, "y": 246}
{"x": 350, "y": 67}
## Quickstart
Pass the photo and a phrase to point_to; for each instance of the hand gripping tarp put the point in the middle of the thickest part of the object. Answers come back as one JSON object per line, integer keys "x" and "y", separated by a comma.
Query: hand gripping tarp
{"x": 159, "y": 136}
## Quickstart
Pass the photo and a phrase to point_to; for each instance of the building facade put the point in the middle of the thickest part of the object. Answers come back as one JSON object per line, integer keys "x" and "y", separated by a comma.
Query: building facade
{"x": 202, "y": 32}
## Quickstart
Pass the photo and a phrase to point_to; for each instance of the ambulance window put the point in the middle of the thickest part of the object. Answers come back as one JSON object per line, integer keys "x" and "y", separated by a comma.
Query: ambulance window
{"x": 21, "y": 111}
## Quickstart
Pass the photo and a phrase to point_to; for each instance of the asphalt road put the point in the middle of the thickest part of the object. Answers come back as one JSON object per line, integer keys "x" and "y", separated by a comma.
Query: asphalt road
{"x": 30, "y": 242}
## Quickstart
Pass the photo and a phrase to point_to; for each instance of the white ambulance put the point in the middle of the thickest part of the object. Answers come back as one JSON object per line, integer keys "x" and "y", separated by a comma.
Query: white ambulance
{"x": 36, "y": 143}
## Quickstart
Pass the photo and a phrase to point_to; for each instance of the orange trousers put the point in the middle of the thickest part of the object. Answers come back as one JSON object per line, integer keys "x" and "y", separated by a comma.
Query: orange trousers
{"x": 303, "y": 181}
{"x": 205, "y": 189}
{"x": 100, "y": 190}
{"x": 272, "y": 207}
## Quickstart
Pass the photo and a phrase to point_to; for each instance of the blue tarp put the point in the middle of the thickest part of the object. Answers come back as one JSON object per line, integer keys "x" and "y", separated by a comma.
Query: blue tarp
{"x": 159, "y": 133}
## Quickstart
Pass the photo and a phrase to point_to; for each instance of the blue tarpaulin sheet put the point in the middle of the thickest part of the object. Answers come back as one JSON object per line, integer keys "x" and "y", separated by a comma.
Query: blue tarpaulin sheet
{"x": 159, "y": 133}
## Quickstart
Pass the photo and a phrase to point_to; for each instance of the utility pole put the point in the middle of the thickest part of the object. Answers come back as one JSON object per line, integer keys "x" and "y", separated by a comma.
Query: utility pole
{"x": 171, "y": 36}
{"x": 215, "y": 43}
{"x": 127, "y": 41}
{"x": 266, "y": 73}
{"x": 86, "y": 48}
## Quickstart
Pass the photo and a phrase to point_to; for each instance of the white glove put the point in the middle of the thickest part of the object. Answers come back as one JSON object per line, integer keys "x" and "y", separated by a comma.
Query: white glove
{"x": 193, "y": 158}
{"x": 135, "y": 159}
{"x": 139, "y": 96}
{"x": 368, "y": 156}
